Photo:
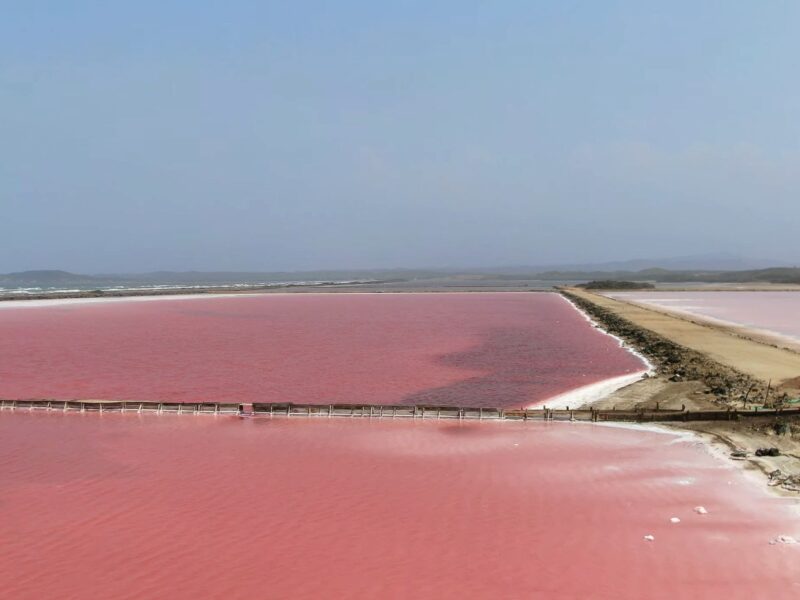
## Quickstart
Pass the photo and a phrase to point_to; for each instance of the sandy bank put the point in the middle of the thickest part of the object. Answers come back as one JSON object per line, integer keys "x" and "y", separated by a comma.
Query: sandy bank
{"x": 748, "y": 356}
{"x": 705, "y": 367}
{"x": 764, "y": 336}
{"x": 782, "y": 472}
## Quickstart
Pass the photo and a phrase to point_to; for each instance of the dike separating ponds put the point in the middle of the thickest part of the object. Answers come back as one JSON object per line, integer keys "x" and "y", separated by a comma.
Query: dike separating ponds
{"x": 734, "y": 369}
{"x": 274, "y": 409}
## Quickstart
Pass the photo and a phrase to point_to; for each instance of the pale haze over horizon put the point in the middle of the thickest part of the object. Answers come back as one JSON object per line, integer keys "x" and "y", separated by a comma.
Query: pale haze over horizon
{"x": 271, "y": 136}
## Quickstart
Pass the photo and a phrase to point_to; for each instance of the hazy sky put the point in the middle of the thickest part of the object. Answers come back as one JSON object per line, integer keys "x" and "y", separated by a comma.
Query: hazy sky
{"x": 257, "y": 135}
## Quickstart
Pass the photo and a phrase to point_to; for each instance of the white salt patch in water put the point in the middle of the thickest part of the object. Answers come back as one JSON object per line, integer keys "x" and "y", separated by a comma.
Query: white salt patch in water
{"x": 783, "y": 539}
{"x": 649, "y": 538}
{"x": 700, "y": 510}
{"x": 674, "y": 520}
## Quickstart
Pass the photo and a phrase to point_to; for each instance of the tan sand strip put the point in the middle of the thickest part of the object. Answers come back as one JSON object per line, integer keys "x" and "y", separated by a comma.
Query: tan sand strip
{"x": 751, "y": 357}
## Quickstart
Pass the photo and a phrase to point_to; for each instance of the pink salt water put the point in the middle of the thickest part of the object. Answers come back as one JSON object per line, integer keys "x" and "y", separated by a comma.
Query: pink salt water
{"x": 481, "y": 349}
{"x": 119, "y": 506}
{"x": 775, "y": 313}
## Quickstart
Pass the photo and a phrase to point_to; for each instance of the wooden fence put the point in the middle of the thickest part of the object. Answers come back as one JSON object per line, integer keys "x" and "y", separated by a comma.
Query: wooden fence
{"x": 273, "y": 409}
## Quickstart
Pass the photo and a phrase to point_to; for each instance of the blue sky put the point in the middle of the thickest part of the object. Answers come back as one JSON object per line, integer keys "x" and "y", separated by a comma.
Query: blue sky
{"x": 238, "y": 135}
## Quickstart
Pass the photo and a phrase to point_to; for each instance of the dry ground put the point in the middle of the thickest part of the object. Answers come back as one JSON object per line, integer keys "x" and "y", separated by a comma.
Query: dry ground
{"x": 750, "y": 356}
{"x": 753, "y": 357}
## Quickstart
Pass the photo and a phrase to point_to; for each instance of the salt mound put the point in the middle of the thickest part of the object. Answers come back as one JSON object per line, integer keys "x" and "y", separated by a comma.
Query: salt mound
{"x": 784, "y": 539}
{"x": 700, "y": 510}
{"x": 649, "y": 538}
{"x": 674, "y": 520}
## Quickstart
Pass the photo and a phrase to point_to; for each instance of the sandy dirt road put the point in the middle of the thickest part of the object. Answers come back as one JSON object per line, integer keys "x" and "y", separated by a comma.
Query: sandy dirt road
{"x": 755, "y": 358}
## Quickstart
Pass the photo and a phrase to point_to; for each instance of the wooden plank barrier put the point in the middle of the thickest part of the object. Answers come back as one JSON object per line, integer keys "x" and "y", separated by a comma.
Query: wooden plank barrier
{"x": 123, "y": 406}
{"x": 286, "y": 409}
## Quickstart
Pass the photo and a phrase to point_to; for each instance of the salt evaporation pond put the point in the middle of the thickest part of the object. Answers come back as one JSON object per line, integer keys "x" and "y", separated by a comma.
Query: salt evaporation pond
{"x": 477, "y": 349}
{"x": 120, "y": 506}
{"x": 775, "y": 313}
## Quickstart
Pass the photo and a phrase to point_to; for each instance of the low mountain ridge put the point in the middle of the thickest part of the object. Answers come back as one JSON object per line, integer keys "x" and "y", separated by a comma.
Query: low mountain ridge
{"x": 48, "y": 277}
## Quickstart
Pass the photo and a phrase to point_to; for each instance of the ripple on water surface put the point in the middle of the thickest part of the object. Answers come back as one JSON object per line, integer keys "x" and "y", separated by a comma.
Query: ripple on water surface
{"x": 148, "y": 506}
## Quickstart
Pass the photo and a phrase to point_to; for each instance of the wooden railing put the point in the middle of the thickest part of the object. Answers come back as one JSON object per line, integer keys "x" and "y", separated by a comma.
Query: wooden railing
{"x": 273, "y": 409}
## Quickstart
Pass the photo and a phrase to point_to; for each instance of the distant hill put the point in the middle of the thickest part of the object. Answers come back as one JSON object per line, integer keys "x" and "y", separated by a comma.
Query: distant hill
{"x": 233, "y": 277}
{"x": 64, "y": 279}
{"x": 55, "y": 279}
{"x": 47, "y": 278}
{"x": 718, "y": 261}
{"x": 617, "y": 285}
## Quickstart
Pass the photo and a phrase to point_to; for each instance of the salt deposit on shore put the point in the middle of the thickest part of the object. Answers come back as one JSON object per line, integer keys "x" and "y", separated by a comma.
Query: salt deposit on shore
{"x": 597, "y": 391}
{"x": 590, "y": 393}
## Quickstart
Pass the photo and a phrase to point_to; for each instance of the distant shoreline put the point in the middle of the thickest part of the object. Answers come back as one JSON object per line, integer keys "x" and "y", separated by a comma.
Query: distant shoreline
{"x": 176, "y": 291}
{"x": 378, "y": 286}
{"x": 333, "y": 287}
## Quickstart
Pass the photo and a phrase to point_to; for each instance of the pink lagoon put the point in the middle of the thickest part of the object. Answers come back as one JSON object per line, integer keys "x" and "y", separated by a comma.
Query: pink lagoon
{"x": 148, "y": 506}
{"x": 476, "y": 349}
{"x": 187, "y": 506}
